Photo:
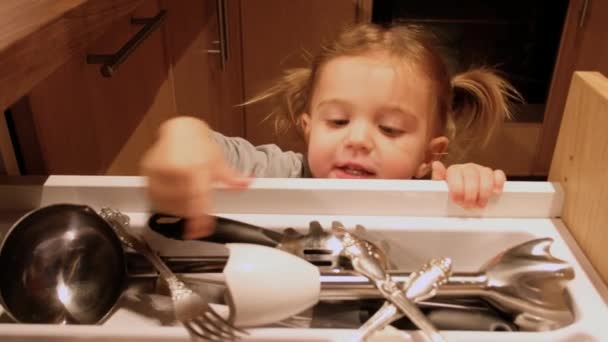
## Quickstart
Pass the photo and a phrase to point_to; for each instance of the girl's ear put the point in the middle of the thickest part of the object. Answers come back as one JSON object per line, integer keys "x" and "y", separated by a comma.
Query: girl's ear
{"x": 436, "y": 148}
{"x": 305, "y": 124}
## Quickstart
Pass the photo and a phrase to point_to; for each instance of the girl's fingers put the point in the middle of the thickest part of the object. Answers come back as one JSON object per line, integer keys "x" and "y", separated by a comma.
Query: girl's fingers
{"x": 486, "y": 186}
{"x": 470, "y": 176}
{"x": 455, "y": 181}
{"x": 499, "y": 181}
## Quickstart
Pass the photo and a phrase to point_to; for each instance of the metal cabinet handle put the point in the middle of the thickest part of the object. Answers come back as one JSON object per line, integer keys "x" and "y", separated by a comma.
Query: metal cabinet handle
{"x": 583, "y": 14}
{"x": 222, "y": 43}
{"x": 110, "y": 63}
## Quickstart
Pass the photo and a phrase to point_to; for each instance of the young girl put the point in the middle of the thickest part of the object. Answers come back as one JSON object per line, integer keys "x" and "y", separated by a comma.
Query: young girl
{"x": 377, "y": 103}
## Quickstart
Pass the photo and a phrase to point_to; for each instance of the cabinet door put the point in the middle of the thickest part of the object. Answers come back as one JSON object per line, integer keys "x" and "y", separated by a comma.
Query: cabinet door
{"x": 204, "y": 48}
{"x": 580, "y": 164}
{"x": 584, "y": 47}
{"x": 88, "y": 124}
{"x": 275, "y": 35}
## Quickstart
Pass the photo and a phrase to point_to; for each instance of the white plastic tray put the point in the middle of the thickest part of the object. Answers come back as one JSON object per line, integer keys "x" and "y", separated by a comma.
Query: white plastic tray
{"x": 415, "y": 216}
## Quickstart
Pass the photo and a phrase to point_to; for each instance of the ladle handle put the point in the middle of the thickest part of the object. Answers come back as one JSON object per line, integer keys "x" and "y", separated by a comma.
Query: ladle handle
{"x": 226, "y": 231}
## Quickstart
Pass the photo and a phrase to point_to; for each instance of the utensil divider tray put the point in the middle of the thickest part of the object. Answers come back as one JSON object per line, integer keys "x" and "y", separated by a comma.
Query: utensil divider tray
{"x": 414, "y": 218}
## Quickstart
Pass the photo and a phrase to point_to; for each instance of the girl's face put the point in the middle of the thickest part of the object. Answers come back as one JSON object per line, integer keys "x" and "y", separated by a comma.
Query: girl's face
{"x": 371, "y": 117}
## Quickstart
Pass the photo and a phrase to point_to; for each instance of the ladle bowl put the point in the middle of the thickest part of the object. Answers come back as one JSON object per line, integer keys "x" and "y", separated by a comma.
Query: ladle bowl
{"x": 56, "y": 262}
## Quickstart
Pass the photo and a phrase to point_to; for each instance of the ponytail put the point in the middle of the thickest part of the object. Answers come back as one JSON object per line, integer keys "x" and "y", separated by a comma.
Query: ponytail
{"x": 481, "y": 101}
{"x": 290, "y": 94}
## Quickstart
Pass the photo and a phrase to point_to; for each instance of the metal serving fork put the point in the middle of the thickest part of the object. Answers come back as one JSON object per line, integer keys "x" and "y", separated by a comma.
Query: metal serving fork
{"x": 192, "y": 310}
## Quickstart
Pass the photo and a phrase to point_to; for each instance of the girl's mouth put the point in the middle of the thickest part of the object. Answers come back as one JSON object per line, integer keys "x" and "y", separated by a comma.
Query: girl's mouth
{"x": 353, "y": 171}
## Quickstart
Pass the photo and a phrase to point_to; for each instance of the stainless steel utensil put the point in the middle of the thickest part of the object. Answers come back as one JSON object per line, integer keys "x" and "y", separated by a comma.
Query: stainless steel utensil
{"x": 525, "y": 281}
{"x": 455, "y": 319}
{"x": 420, "y": 285}
{"x": 61, "y": 264}
{"x": 319, "y": 247}
{"x": 365, "y": 261}
{"x": 192, "y": 310}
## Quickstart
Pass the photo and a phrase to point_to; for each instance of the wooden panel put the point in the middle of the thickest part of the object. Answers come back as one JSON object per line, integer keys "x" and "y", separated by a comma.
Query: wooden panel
{"x": 584, "y": 46}
{"x": 202, "y": 88}
{"x": 36, "y": 37}
{"x": 8, "y": 162}
{"x": 580, "y": 163}
{"x": 87, "y": 124}
{"x": 275, "y": 34}
{"x": 26, "y": 139}
{"x": 513, "y": 149}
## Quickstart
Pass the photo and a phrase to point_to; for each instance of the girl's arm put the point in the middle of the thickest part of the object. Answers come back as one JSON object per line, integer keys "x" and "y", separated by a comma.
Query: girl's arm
{"x": 259, "y": 161}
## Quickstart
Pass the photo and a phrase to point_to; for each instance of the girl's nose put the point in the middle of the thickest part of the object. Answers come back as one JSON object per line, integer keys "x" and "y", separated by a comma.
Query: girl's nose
{"x": 360, "y": 136}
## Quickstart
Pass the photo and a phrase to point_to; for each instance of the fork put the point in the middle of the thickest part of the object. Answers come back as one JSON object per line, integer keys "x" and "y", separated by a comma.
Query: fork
{"x": 192, "y": 310}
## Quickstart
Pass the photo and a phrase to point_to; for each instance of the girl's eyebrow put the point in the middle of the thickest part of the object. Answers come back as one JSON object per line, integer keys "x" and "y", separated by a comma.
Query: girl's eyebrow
{"x": 334, "y": 101}
{"x": 405, "y": 113}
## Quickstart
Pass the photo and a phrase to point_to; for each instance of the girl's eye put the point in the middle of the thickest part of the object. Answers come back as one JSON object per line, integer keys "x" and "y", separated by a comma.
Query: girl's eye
{"x": 338, "y": 122}
{"x": 391, "y": 131}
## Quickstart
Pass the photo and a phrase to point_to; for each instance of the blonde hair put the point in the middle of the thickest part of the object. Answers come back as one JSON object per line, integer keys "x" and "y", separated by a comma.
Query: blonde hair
{"x": 471, "y": 105}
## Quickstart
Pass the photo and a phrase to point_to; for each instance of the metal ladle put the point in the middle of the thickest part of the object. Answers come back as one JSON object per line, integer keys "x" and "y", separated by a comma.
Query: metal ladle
{"x": 61, "y": 264}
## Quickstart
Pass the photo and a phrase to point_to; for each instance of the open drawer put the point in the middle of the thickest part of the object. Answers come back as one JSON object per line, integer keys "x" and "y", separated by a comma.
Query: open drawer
{"x": 413, "y": 218}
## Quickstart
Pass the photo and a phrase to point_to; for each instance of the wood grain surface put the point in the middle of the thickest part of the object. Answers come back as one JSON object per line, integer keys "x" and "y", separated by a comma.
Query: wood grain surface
{"x": 580, "y": 164}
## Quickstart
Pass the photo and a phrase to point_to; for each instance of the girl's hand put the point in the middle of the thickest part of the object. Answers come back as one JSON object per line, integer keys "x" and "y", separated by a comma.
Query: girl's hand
{"x": 470, "y": 185}
{"x": 181, "y": 168}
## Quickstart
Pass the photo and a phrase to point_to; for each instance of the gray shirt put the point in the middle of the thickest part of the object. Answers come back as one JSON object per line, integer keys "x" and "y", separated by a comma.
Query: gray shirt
{"x": 262, "y": 161}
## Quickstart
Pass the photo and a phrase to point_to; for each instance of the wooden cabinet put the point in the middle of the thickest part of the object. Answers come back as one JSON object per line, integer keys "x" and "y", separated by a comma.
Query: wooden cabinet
{"x": 85, "y": 123}
{"x": 36, "y": 38}
{"x": 78, "y": 122}
{"x": 580, "y": 164}
{"x": 260, "y": 39}
{"x": 584, "y": 47}
{"x": 526, "y": 149}
{"x": 207, "y": 80}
